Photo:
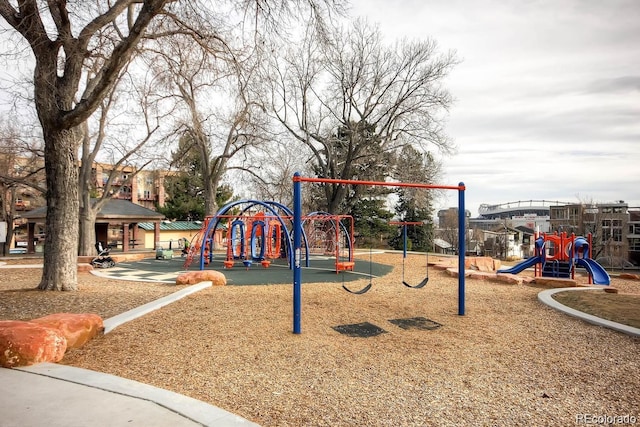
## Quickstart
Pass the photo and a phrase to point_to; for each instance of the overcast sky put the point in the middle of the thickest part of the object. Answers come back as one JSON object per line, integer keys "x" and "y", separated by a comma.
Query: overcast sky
{"x": 547, "y": 94}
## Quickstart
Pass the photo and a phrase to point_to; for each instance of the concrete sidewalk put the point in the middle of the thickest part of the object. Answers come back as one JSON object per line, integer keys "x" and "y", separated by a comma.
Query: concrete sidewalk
{"x": 55, "y": 395}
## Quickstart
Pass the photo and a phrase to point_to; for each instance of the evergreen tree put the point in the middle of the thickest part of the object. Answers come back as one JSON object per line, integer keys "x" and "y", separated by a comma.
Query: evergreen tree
{"x": 419, "y": 237}
{"x": 185, "y": 189}
{"x": 414, "y": 204}
{"x": 371, "y": 221}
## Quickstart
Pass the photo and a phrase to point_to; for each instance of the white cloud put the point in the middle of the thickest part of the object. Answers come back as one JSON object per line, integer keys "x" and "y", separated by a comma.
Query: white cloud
{"x": 548, "y": 94}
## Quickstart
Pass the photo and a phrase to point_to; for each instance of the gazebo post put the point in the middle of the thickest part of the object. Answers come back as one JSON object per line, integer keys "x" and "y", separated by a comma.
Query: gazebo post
{"x": 156, "y": 233}
{"x": 31, "y": 235}
{"x": 134, "y": 234}
{"x": 125, "y": 237}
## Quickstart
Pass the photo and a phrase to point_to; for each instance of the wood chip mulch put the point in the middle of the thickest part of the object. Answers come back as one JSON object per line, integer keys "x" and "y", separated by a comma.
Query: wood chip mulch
{"x": 509, "y": 361}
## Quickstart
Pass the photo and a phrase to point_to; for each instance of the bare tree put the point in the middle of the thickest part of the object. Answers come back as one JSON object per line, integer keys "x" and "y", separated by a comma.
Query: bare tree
{"x": 220, "y": 119}
{"x": 61, "y": 37}
{"x": 126, "y": 150}
{"x": 80, "y": 49}
{"x": 448, "y": 228}
{"x": 354, "y": 101}
{"x": 272, "y": 180}
{"x": 21, "y": 173}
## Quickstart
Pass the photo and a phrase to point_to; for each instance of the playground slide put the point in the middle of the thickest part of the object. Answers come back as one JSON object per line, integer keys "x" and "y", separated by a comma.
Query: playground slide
{"x": 529, "y": 262}
{"x": 599, "y": 274}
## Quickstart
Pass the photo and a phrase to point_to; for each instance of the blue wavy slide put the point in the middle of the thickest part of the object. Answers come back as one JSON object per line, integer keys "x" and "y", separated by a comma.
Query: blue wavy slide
{"x": 529, "y": 262}
{"x": 599, "y": 274}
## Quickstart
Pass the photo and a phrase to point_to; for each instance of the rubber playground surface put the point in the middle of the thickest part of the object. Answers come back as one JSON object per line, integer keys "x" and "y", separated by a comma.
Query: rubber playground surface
{"x": 321, "y": 269}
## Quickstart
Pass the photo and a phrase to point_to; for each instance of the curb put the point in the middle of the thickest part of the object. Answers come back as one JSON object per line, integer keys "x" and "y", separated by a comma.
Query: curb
{"x": 113, "y": 322}
{"x": 545, "y": 297}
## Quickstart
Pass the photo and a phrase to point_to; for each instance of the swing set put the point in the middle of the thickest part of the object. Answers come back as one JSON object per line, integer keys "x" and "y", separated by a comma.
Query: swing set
{"x": 298, "y": 232}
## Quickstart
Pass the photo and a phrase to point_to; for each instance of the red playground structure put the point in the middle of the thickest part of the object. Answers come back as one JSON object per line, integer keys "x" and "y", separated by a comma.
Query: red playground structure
{"x": 558, "y": 255}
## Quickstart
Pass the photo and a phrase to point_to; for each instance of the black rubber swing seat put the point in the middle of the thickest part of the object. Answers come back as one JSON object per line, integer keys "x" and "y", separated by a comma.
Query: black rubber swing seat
{"x": 419, "y": 285}
{"x": 361, "y": 291}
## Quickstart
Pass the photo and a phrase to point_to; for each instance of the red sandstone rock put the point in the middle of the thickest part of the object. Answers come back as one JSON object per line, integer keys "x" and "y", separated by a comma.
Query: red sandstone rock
{"x": 509, "y": 278}
{"x": 453, "y": 272}
{"x": 554, "y": 282}
{"x": 481, "y": 275}
{"x": 485, "y": 264}
{"x": 629, "y": 276}
{"x": 76, "y": 328}
{"x": 193, "y": 277}
{"x": 27, "y": 343}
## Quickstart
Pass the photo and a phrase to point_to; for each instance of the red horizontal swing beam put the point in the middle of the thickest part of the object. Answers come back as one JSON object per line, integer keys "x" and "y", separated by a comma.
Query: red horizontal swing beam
{"x": 377, "y": 183}
{"x": 406, "y": 223}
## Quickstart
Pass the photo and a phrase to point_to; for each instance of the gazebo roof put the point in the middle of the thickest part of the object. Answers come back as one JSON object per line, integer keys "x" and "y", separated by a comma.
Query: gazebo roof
{"x": 114, "y": 209}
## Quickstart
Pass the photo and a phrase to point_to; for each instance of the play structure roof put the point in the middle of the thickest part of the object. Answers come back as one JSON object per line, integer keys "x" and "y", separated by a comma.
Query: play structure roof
{"x": 114, "y": 209}
{"x": 176, "y": 225}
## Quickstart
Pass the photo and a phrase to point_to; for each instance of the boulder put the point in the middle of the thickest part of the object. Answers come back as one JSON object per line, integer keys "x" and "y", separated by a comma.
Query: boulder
{"x": 629, "y": 276}
{"x": 485, "y": 264}
{"x": 453, "y": 272}
{"x": 192, "y": 277}
{"x": 555, "y": 282}
{"x": 76, "y": 328}
{"x": 27, "y": 343}
{"x": 481, "y": 275}
{"x": 508, "y": 278}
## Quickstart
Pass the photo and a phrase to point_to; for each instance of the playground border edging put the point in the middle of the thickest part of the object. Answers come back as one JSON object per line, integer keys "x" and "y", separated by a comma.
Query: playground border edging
{"x": 546, "y": 298}
{"x": 115, "y": 321}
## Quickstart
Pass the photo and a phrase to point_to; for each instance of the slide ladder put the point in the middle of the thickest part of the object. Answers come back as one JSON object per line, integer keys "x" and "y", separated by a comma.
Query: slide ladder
{"x": 558, "y": 269}
{"x": 196, "y": 243}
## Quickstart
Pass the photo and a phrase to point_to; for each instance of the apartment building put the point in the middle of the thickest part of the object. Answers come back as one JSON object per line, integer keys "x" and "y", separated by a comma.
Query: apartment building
{"x": 142, "y": 187}
{"x": 633, "y": 236}
{"x": 610, "y": 225}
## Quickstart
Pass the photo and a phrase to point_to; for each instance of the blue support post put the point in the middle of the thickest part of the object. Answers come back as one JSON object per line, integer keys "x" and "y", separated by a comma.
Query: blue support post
{"x": 404, "y": 240}
{"x": 297, "y": 233}
{"x": 461, "y": 248}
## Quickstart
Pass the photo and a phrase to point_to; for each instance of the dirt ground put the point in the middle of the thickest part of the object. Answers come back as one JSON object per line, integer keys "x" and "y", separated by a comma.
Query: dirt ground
{"x": 509, "y": 361}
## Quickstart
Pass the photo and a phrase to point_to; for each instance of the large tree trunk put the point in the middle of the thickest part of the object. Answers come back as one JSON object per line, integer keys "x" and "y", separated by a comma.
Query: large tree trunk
{"x": 61, "y": 242}
{"x": 87, "y": 228}
{"x": 210, "y": 205}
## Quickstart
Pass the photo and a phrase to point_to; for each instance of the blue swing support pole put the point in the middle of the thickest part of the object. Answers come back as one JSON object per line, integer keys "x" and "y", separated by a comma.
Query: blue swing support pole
{"x": 297, "y": 273}
{"x": 462, "y": 232}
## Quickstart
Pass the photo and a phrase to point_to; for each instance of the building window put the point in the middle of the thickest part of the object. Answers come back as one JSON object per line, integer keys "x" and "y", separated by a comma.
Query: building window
{"x": 617, "y": 235}
{"x": 573, "y": 213}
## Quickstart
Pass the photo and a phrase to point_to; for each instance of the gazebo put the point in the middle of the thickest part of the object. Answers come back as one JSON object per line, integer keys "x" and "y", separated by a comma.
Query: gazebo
{"x": 123, "y": 213}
